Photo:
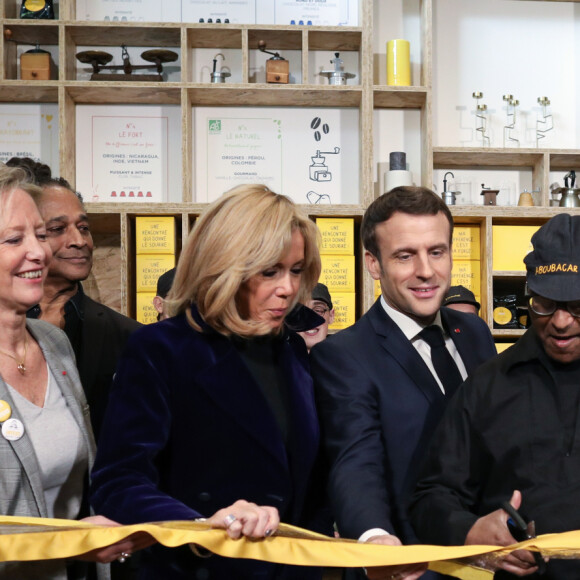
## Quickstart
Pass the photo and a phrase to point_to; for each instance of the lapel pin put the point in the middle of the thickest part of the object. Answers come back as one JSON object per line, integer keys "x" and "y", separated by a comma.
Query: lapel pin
{"x": 5, "y": 411}
{"x": 12, "y": 430}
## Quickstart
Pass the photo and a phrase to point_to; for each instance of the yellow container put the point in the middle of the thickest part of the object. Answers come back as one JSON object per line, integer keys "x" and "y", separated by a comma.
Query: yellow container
{"x": 338, "y": 273}
{"x": 344, "y": 304}
{"x": 399, "y": 63}
{"x": 511, "y": 244}
{"x": 467, "y": 273}
{"x": 148, "y": 269}
{"x": 377, "y": 288}
{"x": 146, "y": 313}
{"x": 466, "y": 244}
{"x": 501, "y": 346}
{"x": 155, "y": 234}
{"x": 337, "y": 235}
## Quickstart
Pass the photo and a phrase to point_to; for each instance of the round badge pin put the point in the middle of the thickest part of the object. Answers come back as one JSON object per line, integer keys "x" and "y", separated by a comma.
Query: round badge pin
{"x": 12, "y": 430}
{"x": 5, "y": 411}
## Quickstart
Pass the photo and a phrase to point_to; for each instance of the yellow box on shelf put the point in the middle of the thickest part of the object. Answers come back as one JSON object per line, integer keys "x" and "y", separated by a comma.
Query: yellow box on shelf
{"x": 338, "y": 273}
{"x": 467, "y": 273}
{"x": 146, "y": 313}
{"x": 337, "y": 235}
{"x": 344, "y": 304}
{"x": 501, "y": 346}
{"x": 149, "y": 268}
{"x": 511, "y": 244}
{"x": 466, "y": 243}
{"x": 155, "y": 234}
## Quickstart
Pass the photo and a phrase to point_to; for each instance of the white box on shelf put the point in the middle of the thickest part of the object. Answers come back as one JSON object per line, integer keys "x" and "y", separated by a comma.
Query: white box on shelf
{"x": 310, "y": 155}
{"x": 30, "y": 130}
{"x": 128, "y": 153}
{"x": 325, "y": 13}
{"x": 236, "y": 11}
{"x": 129, "y": 10}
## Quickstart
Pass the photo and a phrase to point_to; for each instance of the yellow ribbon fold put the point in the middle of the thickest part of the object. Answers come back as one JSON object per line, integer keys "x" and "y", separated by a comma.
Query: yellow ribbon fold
{"x": 23, "y": 538}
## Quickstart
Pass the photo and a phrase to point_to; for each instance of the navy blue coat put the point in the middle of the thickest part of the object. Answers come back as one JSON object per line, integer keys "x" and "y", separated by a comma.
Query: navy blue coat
{"x": 378, "y": 405}
{"x": 188, "y": 432}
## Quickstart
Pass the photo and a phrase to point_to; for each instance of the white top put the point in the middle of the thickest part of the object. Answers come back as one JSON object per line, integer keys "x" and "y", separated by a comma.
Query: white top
{"x": 411, "y": 329}
{"x": 59, "y": 446}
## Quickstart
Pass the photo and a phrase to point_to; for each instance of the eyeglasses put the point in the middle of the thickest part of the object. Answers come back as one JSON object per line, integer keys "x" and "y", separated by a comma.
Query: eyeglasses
{"x": 320, "y": 310}
{"x": 546, "y": 307}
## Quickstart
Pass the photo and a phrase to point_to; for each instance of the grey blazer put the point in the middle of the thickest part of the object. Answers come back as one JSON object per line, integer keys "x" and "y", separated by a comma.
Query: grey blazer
{"x": 20, "y": 479}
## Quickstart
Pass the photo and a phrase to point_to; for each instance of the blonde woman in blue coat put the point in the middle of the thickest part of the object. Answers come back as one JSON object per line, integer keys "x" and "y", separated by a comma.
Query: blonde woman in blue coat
{"x": 212, "y": 410}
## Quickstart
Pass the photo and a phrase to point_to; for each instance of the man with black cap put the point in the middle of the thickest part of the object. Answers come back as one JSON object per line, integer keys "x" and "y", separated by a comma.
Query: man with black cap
{"x": 512, "y": 432}
{"x": 164, "y": 283}
{"x": 462, "y": 299}
{"x": 321, "y": 303}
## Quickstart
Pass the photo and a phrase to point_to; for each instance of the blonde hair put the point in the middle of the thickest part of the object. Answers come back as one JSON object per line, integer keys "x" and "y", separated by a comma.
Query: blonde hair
{"x": 12, "y": 178}
{"x": 246, "y": 231}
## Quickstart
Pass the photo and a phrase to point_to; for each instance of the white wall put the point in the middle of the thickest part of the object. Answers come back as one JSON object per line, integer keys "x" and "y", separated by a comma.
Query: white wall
{"x": 529, "y": 49}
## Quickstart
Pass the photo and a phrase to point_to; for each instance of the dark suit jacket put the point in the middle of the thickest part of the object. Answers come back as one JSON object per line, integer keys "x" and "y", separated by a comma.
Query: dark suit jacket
{"x": 188, "y": 432}
{"x": 104, "y": 335}
{"x": 379, "y": 405}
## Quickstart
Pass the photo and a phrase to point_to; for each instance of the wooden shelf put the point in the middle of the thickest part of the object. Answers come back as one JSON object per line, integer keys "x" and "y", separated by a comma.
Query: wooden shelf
{"x": 508, "y": 333}
{"x": 233, "y": 95}
{"x": 29, "y": 91}
{"x": 462, "y": 157}
{"x": 399, "y": 97}
{"x": 113, "y": 223}
{"x": 31, "y": 31}
{"x": 128, "y": 33}
{"x": 108, "y": 93}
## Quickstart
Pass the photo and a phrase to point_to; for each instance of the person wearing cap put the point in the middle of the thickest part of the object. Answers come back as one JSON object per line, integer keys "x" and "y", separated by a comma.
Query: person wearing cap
{"x": 164, "y": 283}
{"x": 462, "y": 299}
{"x": 512, "y": 432}
{"x": 321, "y": 303}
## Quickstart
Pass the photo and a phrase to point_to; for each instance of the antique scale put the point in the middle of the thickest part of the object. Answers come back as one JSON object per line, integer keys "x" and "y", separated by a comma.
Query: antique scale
{"x": 99, "y": 60}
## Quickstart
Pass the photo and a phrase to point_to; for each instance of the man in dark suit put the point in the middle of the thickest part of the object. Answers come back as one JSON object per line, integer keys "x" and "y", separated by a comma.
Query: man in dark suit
{"x": 97, "y": 333}
{"x": 381, "y": 384}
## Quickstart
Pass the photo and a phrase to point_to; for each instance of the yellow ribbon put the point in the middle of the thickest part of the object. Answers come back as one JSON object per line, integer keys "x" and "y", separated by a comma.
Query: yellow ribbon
{"x": 24, "y": 539}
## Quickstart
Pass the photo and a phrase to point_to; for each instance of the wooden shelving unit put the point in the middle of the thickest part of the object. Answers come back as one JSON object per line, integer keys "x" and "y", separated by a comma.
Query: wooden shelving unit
{"x": 113, "y": 277}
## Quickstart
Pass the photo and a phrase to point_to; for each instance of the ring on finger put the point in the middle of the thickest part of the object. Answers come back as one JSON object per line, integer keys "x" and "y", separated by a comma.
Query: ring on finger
{"x": 123, "y": 557}
{"x": 229, "y": 520}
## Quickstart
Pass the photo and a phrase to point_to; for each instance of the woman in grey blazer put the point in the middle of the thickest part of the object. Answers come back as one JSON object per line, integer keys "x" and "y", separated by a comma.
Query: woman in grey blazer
{"x": 46, "y": 442}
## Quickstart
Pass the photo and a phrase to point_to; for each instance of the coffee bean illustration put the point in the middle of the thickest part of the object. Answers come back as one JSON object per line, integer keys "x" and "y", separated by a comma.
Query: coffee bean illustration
{"x": 315, "y": 123}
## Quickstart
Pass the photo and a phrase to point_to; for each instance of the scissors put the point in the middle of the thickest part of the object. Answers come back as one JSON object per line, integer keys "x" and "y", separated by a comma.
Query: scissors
{"x": 522, "y": 530}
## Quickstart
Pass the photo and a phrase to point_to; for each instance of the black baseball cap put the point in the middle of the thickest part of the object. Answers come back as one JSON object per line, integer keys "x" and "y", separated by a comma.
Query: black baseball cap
{"x": 164, "y": 283}
{"x": 553, "y": 266}
{"x": 460, "y": 295}
{"x": 321, "y": 292}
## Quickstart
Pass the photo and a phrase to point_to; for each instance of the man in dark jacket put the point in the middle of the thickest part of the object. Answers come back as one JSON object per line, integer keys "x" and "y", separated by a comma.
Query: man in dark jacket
{"x": 379, "y": 385}
{"x": 512, "y": 433}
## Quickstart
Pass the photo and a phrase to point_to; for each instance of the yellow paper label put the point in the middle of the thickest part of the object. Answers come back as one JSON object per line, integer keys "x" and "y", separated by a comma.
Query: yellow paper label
{"x": 34, "y": 5}
{"x": 502, "y": 315}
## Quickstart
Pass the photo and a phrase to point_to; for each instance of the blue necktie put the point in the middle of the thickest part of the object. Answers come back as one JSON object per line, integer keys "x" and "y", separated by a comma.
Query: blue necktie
{"x": 442, "y": 360}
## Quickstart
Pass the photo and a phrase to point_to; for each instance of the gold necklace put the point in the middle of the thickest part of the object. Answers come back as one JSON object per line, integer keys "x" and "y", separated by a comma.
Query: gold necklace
{"x": 21, "y": 364}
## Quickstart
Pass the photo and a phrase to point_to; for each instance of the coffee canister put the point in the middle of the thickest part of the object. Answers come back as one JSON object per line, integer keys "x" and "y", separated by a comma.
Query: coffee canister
{"x": 398, "y": 63}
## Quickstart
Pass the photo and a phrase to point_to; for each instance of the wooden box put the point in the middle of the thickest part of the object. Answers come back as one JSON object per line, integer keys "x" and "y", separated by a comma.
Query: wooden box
{"x": 35, "y": 66}
{"x": 277, "y": 71}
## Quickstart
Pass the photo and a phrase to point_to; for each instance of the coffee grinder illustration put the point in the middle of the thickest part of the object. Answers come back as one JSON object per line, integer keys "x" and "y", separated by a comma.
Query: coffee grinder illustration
{"x": 318, "y": 170}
